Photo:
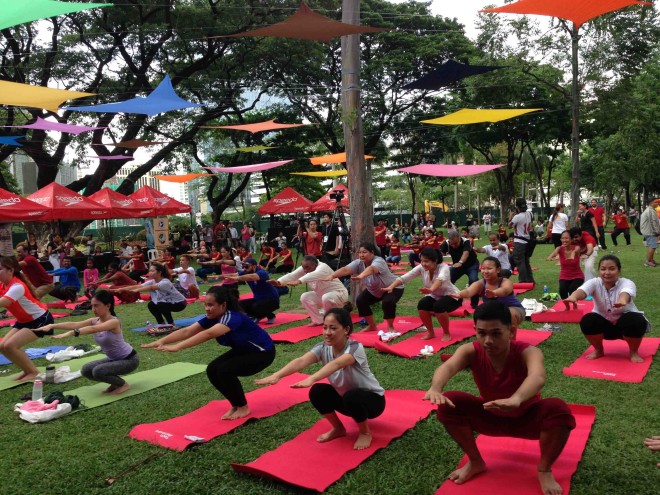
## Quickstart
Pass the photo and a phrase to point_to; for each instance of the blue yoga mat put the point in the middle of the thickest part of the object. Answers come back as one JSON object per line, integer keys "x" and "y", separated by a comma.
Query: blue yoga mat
{"x": 35, "y": 353}
{"x": 183, "y": 322}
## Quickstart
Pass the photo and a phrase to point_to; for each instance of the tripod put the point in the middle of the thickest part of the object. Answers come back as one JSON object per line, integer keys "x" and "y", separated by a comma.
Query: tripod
{"x": 343, "y": 235}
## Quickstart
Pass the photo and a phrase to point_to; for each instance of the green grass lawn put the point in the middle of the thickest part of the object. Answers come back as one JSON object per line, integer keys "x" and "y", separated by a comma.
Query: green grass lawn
{"x": 74, "y": 455}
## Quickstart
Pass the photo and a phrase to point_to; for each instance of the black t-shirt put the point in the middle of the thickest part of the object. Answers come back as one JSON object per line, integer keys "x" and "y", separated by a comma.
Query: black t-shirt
{"x": 585, "y": 221}
{"x": 457, "y": 253}
{"x": 330, "y": 233}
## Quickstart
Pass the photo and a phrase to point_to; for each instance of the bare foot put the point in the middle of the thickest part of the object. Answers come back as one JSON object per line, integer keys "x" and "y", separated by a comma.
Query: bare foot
{"x": 237, "y": 413}
{"x": 111, "y": 388}
{"x": 652, "y": 443}
{"x": 446, "y": 337}
{"x": 429, "y": 336}
{"x": 25, "y": 377}
{"x": 549, "y": 485}
{"x": 363, "y": 441}
{"x": 635, "y": 357}
{"x": 596, "y": 355}
{"x": 312, "y": 324}
{"x": 331, "y": 435}
{"x": 120, "y": 390}
{"x": 467, "y": 472}
{"x": 371, "y": 328}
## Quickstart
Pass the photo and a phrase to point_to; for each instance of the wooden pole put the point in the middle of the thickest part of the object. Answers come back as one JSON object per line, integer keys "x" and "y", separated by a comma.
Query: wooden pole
{"x": 575, "y": 120}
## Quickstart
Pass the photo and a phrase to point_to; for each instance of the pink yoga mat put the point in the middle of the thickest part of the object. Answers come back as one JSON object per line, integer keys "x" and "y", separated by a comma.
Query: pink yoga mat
{"x": 615, "y": 365}
{"x": 558, "y": 313}
{"x": 249, "y": 295}
{"x": 282, "y": 319}
{"x": 205, "y": 422}
{"x": 308, "y": 464}
{"x": 512, "y": 462}
{"x": 409, "y": 348}
{"x": 402, "y": 324}
{"x": 532, "y": 337}
{"x": 297, "y": 334}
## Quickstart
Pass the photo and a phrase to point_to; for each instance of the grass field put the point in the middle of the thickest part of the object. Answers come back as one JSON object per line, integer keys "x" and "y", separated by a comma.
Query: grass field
{"x": 74, "y": 455}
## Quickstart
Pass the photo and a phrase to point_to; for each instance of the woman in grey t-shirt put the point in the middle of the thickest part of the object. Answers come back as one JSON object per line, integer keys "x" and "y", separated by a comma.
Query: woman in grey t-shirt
{"x": 374, "y": 275}
{"x": 353, "y": 390}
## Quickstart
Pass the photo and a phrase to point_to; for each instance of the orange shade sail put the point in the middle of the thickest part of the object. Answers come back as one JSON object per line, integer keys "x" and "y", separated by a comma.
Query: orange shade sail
{"x": 181, "y": 178}
{"x": 335, "y": 158}
{"x": 306, "y": 24}
{"x": 269, "y": 125}
{"x": 577, "y": 11}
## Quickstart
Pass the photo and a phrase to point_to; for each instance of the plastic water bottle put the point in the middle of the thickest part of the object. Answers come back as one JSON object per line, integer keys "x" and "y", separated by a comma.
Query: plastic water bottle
{"x": 148, "y": 325}
{"x": 37, "y": 390}
{"x": 545, "y": 290}
{"x": 50, "y": 374}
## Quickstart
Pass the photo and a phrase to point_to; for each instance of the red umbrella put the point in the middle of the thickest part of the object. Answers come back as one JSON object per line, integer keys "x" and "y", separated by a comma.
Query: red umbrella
{"x": 121, "y": 206}
{"x": 287, "y": 201}
{"x": 65, "y": 204}
{"x": 326, "y": 203}
{"x": 13, "y": 208}
{"x": 162, "y": 204}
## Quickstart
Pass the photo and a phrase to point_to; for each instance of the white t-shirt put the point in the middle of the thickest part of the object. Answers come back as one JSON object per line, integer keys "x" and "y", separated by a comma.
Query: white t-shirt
{"x": 440, "y": 273}
{"x": 559, "y": 223}
{"x": 186, "y": 276}
{"x": 604, "y": 299}
{"x": 502, "y": 256}
{"x": 521, "y": 224}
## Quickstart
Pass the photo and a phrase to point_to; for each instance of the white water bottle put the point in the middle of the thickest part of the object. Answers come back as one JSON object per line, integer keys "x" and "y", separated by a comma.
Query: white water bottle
{"x": 148, "y": 325}
{"x": 37, "y": 390}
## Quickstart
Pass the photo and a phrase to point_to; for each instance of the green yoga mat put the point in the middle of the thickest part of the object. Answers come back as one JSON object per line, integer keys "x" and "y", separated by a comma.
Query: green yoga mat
{"x": 141, "y": 381}
{"x": 7, "y": 382}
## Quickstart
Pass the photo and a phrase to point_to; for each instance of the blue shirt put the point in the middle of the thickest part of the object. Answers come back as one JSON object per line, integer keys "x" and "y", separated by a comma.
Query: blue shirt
{"x": 68, "y": 276}
{"x": 244, "y": 334}
{"x": 262, "y": 290}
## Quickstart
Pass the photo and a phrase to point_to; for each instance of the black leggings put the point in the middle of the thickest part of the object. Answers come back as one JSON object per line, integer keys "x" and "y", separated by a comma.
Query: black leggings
{"x": 366, "y": 299}
{"x": 358, "y": 404}
{"x": 567, "y": 287}
{"x": 446, "y": 304}
{"x": 163, "y": 311}
{"x": 260, "y": 308}
{"x": 632, "y": 325}
{"x": 626, "y": 236}
{"x": 223, "y": 372}
{"x": 556, "y": 240}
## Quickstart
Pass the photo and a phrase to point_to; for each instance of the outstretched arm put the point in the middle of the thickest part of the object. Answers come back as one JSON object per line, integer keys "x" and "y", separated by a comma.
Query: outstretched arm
{"x": 460, "y": 360}
{"x": 294, "y": 366}
{"x": 333, "y": 366}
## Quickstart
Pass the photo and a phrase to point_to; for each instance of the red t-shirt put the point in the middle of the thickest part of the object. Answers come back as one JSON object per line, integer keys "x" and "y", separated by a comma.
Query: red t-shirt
{"x": 138, "y": 261}
{"x": 313, "y": 244}
{"x": 289, "y": 260}
{"x": 598, "y": 213}
{"x": 381, "y": 238}
{"x": 395, "y": 249}
{"x": 620, "y": 221}
{"x": 587, "y": 238}
{"x": 570, "y": 268}
{"x": 35, "y": 272}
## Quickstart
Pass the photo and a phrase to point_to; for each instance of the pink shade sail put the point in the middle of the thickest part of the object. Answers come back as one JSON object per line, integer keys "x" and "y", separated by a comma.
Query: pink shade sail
{"x": 64, "y": 204}
{"x": 13, "y": 208}
{"x": 577, "y": 11}
{"x": 269, "y": 125}
{"x": 121, "y": 206}
{"x": 246, "y": 169}
{"x": 326, "y": 203}
{"x": 439, "y": 170}
{"x": 306, "y": 24}
{"x": 47, "y": 125}
{"x": 287, "y": 201}
{"x": 162, "y": 204}
{"x": 111, "y": 157}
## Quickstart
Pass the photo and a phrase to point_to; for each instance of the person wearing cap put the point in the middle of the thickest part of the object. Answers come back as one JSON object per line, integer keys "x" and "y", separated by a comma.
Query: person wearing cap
{"x": 521, "y": 223}
{"x": 266, "y": 297}
{"x": 621, "y": 226}
{"x": 649, "y": 225}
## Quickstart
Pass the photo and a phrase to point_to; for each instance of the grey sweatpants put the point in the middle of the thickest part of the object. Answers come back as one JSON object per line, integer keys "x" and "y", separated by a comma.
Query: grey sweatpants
{"x": 108, "y": 371}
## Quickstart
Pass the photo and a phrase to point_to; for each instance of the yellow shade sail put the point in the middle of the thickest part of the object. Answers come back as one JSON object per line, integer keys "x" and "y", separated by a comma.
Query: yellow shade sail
{"x": 252, "y": 149}
{"x": 478, "y": 116}
{"x": 25, "y": 95}
{"x": 336, "y": 158}
{"x": 329, "y": 173}
{"x": 180, "y": 178}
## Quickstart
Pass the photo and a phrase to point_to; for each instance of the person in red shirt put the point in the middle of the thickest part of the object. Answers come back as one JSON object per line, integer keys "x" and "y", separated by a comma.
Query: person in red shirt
{"x": 312, "y": 238}
{"x": 416, "y": 245}
{"x": 136, "y": 266}
{"x": 509, "y": 375}
{"x": 432, "y": 240}
{"x": 600, "y": 217}
{"x": 36, "y": 275}
{"x": 588, "y": 251}
{"x": 395, "y": 251}
{"x": 380, "y": 232}
{"x": 118, "y": 279}
{"x": 268, "y": 255}
{"x": 621, "y": 226}
{"x": 285, "y": 258}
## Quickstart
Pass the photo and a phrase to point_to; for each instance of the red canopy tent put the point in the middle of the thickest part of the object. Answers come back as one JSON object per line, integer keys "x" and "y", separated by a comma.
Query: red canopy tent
{"x": 162, "y": 204}
{"x": 13, "y": 208}
{"x": 65, "y": 204}
{"x": 326, "y": 203}
{"x": 121, "y": 206}
{"x": 287, "y": 201}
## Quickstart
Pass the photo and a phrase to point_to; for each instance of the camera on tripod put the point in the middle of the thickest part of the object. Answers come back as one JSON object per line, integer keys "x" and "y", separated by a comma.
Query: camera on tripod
{"x": 337, "y": 195}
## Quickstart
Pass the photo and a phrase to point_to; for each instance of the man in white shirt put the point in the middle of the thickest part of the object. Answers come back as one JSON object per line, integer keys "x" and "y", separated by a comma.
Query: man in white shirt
{"x": 497, "y": 250}
{"x": 522, "y": 225}
{"x": 650, "y": 228}
{"x": 324, "y": 294}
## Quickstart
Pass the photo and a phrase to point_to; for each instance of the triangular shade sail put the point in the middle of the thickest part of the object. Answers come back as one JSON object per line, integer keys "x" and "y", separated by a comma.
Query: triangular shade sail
{"x": 477, "y": 116}
{"x": 269, "y": 125}
{"x": 160, "y": 100}
{"x": 335, "y": 158}
{"x": 64, "y": 204}
{"x": 252, "y": 149}
{"x": 25, "y": 95}
{"x": 326, "y": 173}
{"x": 439, "y": 170}
{"x": 181, "y": 178}
{"x": 13, "y": 208}
{"x": 11, "y": 140}
{"x": 162, "y": 204}
{"x": 326, "y": 203}
{"x": 13, "y": 13}
{"x": 47, "y": 125}
{"x": 306, "y": 24}
{"x": 112, "y": 157}
{"x": 135, "y": 143}
{"x": 120, "y": 206}
{"x": 449, "y": 73}
{"x": 577, "y": 11}
{"x": 287, "y": 201}
{"x": 246, "y": 169}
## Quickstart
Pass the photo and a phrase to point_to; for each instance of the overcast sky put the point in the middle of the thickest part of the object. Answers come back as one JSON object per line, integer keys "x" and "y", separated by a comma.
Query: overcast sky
{"x": 463, "y": 10}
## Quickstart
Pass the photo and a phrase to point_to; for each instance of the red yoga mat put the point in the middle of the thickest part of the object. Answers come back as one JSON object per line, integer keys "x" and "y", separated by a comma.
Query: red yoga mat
{"x": 311, "y": 465}
{"x": 558, "y": 313}
{"x": 522, "y": 287}
{"x": 282, "y": 319}
{"x": 532, "y": 337}
{"x": 402, "y": 324}
{"x": 205, "y": 422}
{"x": 297, "y": 334}
{"x": 409, "y": 348}
{"x": 615, "y": 365}
{"x": 512, "y": 462}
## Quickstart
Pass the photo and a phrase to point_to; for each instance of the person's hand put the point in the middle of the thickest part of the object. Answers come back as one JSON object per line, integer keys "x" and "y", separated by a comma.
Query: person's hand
{"x": 269, "y": 380}
{"x": 275, "y": 283}
{"x": 357, "y": 277}
{"x": 503, "y": 404}
{"x": 490, "y": 294}
{"x": 456, "y": 265}
{"x": 388, "y": 289}
{"x": 618, "y": 304}
{"x": 151, "y": 345}
{"x": 567, "y": 303}
{"x": 168, "y": 348}
{"x": 435, "y": 397}
{"x": 45, "y": 328}
{"x": 456, "y": 295}
{"x": 62, "y": 335}
{"x": 306, "y": 383}
{"x": 425, "y": 290}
